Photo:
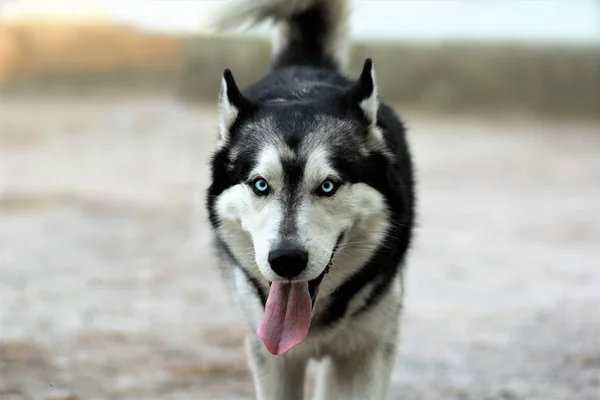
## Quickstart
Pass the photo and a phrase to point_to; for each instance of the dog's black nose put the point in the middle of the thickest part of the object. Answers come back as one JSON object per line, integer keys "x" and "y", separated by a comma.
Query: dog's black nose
{"x": 288, "y": 261}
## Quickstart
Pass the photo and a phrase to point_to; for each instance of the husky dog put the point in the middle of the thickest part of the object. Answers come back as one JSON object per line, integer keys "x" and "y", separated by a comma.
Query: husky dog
{"x": 311, "y": 202}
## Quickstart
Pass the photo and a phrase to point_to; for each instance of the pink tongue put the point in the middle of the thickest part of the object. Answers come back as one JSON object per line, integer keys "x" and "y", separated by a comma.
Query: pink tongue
{"x": 287, "y": 317}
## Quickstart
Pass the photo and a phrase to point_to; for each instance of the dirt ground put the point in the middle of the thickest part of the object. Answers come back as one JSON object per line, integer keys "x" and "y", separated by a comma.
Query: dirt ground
{"x": 109, "y": 290}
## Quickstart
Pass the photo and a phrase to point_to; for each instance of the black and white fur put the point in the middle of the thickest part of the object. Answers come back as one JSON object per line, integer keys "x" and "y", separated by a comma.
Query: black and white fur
{"x": 303, "y": 123}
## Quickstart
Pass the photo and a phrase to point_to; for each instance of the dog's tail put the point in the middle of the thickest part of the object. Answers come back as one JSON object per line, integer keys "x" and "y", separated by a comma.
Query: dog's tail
{"x": 311, "y": 32}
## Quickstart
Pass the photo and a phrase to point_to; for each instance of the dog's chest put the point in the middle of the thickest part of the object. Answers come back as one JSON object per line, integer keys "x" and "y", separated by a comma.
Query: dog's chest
{"x": 350, "y": 335}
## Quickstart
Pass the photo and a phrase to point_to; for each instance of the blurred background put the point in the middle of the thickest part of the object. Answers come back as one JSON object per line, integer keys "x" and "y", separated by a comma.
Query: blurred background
{"x": 108, "y": 284}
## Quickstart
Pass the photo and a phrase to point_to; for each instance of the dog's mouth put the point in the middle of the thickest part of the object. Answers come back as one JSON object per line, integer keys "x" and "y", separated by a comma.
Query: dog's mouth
{"x": 288, "y": 311}
{"x": 313, "y": 285}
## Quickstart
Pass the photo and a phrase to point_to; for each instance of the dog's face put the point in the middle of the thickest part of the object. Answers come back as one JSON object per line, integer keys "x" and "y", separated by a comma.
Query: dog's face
{"x": 294, "y": 203}
{"x": 291, "y": 175}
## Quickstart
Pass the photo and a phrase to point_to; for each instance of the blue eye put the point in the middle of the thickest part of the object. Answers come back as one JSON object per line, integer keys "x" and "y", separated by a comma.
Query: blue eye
{"x": 328, "y": 188}
{"x": 260, "y": 187}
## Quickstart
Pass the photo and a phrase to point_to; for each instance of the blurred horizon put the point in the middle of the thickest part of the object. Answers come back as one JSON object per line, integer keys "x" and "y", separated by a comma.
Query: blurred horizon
{"x": 546, "y": 21}
{"x": 455, "y": 55}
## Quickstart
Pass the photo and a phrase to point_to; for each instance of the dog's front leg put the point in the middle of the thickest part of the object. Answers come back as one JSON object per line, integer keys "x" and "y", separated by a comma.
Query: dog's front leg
{"x": 275, "y": 377}
{"x": 365, "y": 375}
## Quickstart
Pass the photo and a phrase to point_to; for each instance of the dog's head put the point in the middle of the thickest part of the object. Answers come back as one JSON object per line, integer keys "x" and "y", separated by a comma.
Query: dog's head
{"x": 293, "y": 181}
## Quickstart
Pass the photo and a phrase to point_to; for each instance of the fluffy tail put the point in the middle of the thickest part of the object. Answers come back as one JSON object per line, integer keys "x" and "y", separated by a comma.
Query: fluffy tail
{"x": 311, "y": 32}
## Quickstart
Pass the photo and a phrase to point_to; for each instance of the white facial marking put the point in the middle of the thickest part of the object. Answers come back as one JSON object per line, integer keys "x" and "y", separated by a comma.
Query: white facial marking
{"x": 317, "y": 168}
{"x": 251, "y": 222}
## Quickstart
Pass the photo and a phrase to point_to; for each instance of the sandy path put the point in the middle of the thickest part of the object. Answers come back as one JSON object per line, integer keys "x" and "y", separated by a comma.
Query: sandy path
{"x": 108, "y": 288}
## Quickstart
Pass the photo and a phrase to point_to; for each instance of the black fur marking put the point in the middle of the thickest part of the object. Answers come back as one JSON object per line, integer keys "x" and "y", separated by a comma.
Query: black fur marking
{"x": 395, "y": 182}
{"x": 307, "y": 46}
{"x": 293, "y": 171}
{"x": 221, "y": 180}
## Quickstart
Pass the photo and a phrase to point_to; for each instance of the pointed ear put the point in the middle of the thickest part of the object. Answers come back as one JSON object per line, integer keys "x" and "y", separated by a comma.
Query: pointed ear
{"x": 364, "y": 93}
{"x": 231, "y": 104}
